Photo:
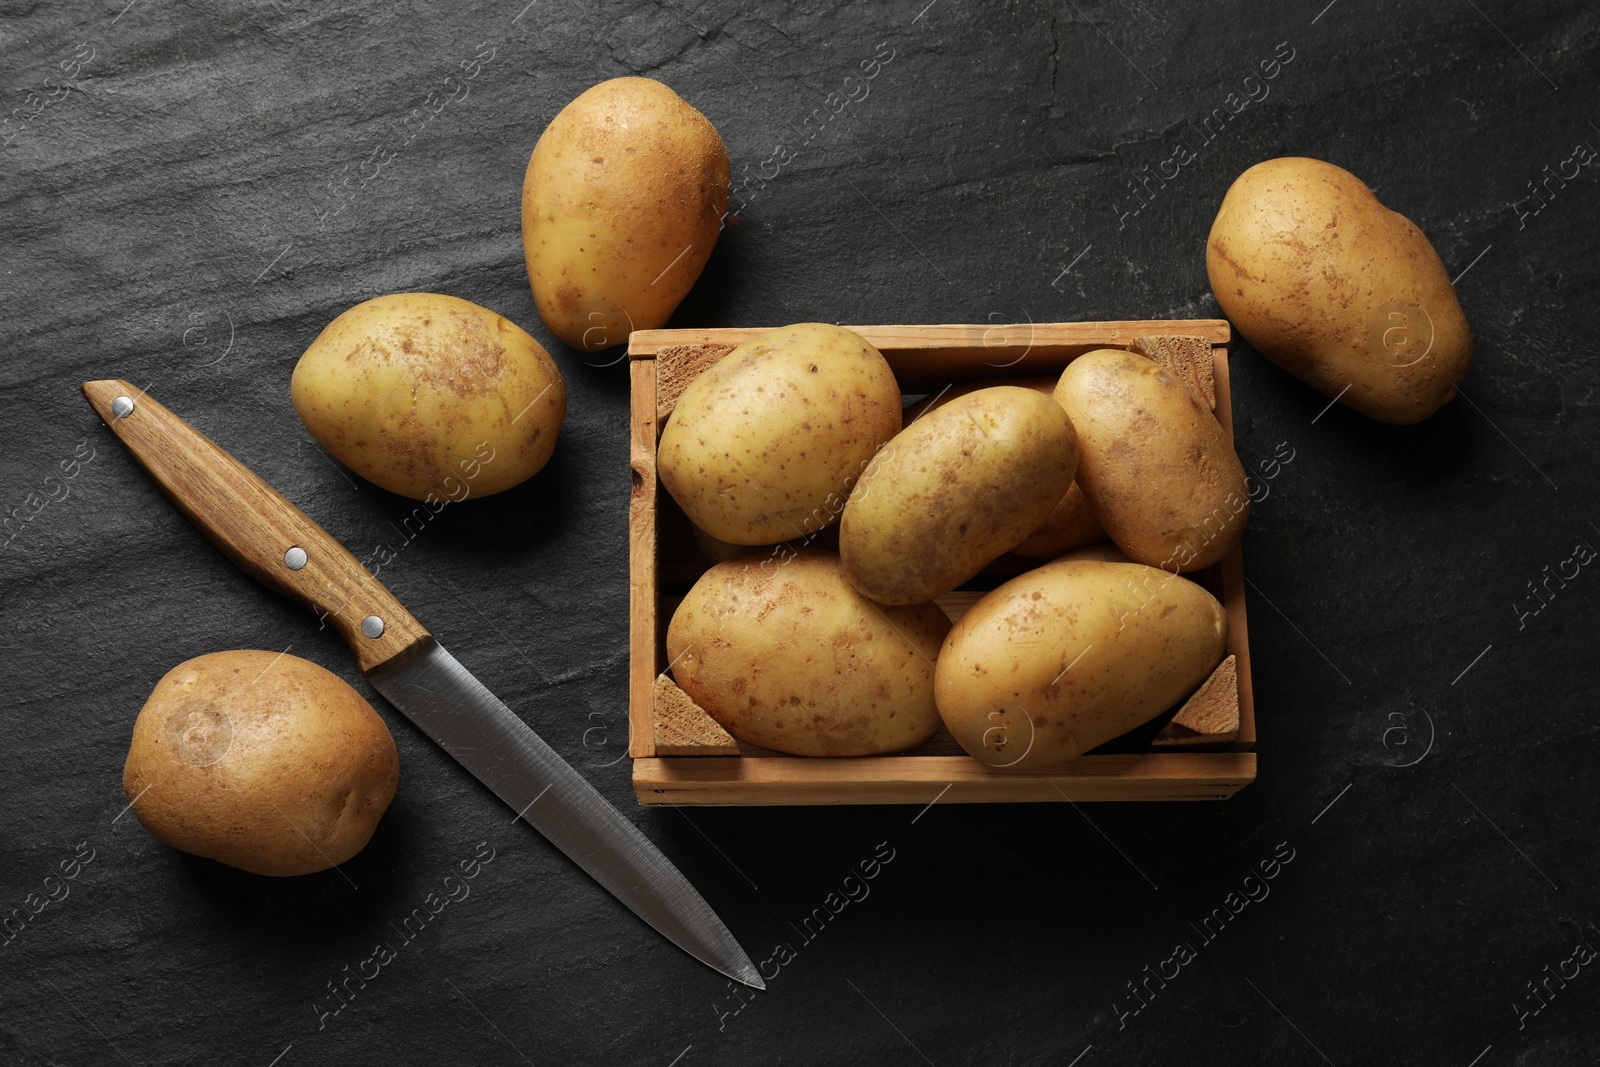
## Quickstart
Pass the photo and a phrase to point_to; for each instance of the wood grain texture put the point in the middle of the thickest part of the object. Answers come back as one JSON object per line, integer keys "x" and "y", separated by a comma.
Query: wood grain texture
{"x": 969, "y": 340}
{"x": 676, "y": 367}
{"x": 958, "y": 602}
{"x": 254, "y": 525}
{"x": 940, "y": 744}
{"x": 1187, "y": 357}
{"x": 904, "y": 780}
{"x": 643, "y": 605}
{"x": 1231, "y": 591}
{"x": 1211, "y": 714}
{"x": 683, "y": 728}
{"x": 925, "y": 358}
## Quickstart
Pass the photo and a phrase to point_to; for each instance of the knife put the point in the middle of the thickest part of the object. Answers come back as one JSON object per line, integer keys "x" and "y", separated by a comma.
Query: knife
{"x": 281, "y": 547}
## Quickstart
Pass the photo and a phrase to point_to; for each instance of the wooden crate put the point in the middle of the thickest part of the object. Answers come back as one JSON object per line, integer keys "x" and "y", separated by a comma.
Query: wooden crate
{"x": 1206, "y": 755}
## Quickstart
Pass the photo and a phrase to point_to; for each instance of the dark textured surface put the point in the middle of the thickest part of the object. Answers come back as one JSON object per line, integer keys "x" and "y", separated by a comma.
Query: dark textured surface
{"x": 168, "y": 218}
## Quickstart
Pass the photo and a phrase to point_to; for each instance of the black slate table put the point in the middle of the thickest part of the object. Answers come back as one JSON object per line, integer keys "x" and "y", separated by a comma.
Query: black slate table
{"x": 192, "y": 190}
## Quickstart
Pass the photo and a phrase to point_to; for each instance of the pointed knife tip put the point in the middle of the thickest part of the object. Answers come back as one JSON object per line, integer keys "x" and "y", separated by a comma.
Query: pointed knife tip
{"x": 750, "y": 976}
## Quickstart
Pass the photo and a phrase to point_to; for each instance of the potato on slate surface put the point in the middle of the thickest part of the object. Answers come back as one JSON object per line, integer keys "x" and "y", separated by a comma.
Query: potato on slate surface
{"x": 1338, "y": 290}
{"x": 1157, "y": 466}
{"x": 765, "y": 445}
{"x": 955, "y": 490}
{"x": 621, "y": 205}
{"x": 262, "y": 761}
{"x": 431, "y": 396}
{"x": 785, "y": 654}
{"x": 1064, "y": 658}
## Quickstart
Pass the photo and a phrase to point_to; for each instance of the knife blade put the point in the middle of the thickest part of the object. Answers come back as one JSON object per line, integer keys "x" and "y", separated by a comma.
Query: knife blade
{"x": 280, "y": 546}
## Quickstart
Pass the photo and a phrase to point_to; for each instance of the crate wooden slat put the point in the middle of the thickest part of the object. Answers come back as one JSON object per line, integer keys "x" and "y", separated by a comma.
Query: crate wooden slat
{"x": 643, "y": 602}
{"x": 1168, "y": 766}
{"x": 732, "y": 780}
{"x": 930, "y": 356}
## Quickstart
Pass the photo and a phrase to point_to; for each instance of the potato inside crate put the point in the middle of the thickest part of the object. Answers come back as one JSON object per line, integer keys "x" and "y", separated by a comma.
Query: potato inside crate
{"x": 1205, "y": 754}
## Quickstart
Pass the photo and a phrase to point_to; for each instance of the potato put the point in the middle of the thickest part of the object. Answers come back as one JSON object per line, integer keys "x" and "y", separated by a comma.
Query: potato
{"x": 955, "y": 490}
{"x": 1066, "y": 657}
{"x": 1072, "y": 524}
{"x": 621, "y": 206}
{"x": 262, "y": 761}
{"x": 717, "y": 551}
{"x": 785, "y": 654}
{"x": 1100, "y": 552}
{"x": 714, "y": 551}
{"x": 1158, "y": 468}
{"x": 1045, "y": 385}
{"x": 431, "y": 397}
{"x": 1338, "y": 290}
{"x": 765, "y": 445}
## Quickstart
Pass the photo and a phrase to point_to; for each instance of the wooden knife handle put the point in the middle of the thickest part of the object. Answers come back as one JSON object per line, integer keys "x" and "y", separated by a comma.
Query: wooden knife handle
{"x": 255, "y": 526}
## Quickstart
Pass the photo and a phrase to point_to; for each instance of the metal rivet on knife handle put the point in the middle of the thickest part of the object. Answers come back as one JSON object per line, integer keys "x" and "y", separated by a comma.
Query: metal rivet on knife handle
{"x": 122, "y": 407}
{"x": 295, "y": 558}
{"x": 372, "y": 626}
